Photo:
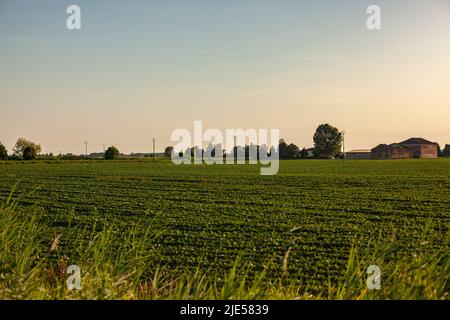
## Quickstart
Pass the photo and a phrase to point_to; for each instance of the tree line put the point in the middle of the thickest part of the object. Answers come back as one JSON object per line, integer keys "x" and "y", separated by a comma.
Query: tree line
{"x": 327, "y": 145}
{"x": 27, "y": 150}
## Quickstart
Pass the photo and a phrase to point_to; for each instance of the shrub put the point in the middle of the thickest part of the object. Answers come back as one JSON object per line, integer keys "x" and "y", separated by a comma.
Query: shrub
{"x": 29, "y": 153}
{"x": 112, "y": 153}
{"x": 13, "y": 157}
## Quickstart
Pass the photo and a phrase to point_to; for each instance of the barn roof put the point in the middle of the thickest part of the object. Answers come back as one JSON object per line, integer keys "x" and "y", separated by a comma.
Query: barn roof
{"x": 390, "y": 146}
{"x": 416, "y": 141}
{"x": 396, "y": 146}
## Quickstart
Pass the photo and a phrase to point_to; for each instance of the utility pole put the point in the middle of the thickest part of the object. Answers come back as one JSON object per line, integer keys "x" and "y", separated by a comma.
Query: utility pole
{"x": 86, "y": 143}
{"x": 343, "y": 144}
{"x": 235, "y": 153}
{"x": 153, "y": 142}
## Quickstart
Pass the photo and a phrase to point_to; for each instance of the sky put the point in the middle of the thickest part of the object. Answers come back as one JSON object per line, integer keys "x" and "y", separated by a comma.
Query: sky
{"x": 138, "y": 70}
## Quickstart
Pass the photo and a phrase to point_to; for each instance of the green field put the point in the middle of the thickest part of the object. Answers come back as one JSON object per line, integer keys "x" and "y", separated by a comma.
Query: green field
{"x": 207, "y": 216}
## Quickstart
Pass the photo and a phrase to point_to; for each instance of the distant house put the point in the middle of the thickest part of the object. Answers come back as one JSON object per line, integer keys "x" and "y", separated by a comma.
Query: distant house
{"x": 411, "y": 148}
{"x": 97, "y": 155}
{"x": 392, "y": 151}
{"x": 358, "y": 154}
{"x": 421, "y": 148}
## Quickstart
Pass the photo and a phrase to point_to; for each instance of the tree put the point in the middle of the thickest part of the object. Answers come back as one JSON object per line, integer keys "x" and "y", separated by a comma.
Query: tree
{"x": 327, "y": 141}
{"x": 282, "y": 149}
{"x": 196, "y": 152}
{"x": 304, "y": 154}
{"x": 22, "y": 144}
{"x": 29, "y": 154}
{"x": 112, "y": 153}
{"x": 446, "y": 151}
{"x": 293, "y": 151}
{"x": 3, "y": 152}
{"x": 168, "y": 152}
{"x": 286, "y": 151}
{"x": 210, "y": 151}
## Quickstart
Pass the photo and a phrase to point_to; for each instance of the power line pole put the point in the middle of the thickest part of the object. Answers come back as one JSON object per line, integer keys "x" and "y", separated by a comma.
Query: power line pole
{"x": 343, "y": 144}
{"x": 86, "y": 143}
{"x": 153, "y": 142}
{"x": 235, "y": 153}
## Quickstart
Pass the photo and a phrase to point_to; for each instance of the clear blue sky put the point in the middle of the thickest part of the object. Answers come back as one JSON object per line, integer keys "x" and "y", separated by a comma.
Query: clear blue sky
{"x": 140, "y": 69}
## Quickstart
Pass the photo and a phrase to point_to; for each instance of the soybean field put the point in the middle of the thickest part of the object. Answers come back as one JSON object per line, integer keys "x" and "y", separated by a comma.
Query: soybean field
{"x": 207, "y": 216}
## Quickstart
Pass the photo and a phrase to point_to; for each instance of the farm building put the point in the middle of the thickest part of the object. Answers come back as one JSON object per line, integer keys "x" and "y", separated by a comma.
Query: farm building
{"x": 358, "y": 154}
{"x": 411, "y": 148}
{"x": 421, "y": 148}
{"x": 392, "y": 151}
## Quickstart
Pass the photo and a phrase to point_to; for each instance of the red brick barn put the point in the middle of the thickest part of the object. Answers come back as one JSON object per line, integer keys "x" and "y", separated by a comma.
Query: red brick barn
{"x": 421, "y": 148}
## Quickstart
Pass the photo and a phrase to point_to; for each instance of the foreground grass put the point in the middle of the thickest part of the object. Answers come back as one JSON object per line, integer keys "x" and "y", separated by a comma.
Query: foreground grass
{"x": 119, "y": 266}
